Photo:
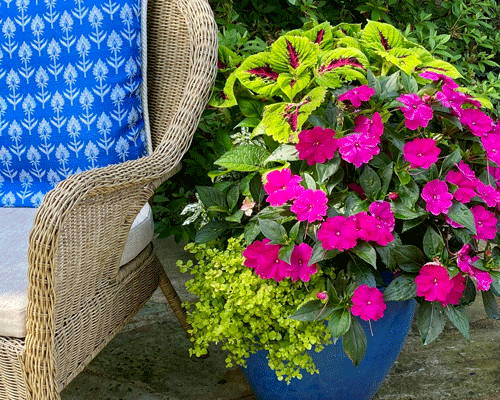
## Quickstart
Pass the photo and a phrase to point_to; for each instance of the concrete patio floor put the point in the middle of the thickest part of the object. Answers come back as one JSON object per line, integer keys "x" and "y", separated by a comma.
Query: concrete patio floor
{"x": 149, "y": 360}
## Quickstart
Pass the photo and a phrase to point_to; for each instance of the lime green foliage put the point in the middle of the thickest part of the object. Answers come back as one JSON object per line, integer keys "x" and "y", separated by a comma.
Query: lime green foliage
{"x": 246, "y": 313}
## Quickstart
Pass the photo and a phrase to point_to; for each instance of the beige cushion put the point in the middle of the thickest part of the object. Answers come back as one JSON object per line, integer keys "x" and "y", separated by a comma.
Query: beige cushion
{"x": 15, "y": 226}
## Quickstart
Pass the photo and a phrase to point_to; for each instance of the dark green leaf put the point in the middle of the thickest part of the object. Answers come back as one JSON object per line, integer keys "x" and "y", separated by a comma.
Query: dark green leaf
{"x": 469, "y": 294}
{"x": 316, "y": 120}
{"x": 463, "y": 234}
{"x": 317, "y": 254}
{"x": 354, "y": 342}
{"x": 211, "y": 197}
{"x": 462, "y": 215}
{"x": 236, "y": 217}
{"x": 232, "y": 197}
{"x": 361, "y": 271}
{"x": 385, "y": 176}
{"x": 286, "y": 152}
{"x": 408, "y": 258}
{"x": 246, "y": 157}
{"x": 412, "y": 223}
{"x": 273, "y": 231}
{"x": 351, "y": 202}
{"x": 370, "y": 182}
{"x": 327, "y": 169}
{"x": 401, "y": 288}
{"x": 309, "y": 311}
{"x": 251, "y": 231}
{"x": 366, "y": 252}
{"x": 403, "y": 212}
{"x": 331, "y": 115}
{"x": 430, "y": 321}
{"x": 490, "y": 304}
{"x": 450, "y": 161}
{"x": 310, "y": 181}
{"x": 285, "y": 253}
{"x": 458, "y": 317}
{"x": 257, "y": 189}
{"x": 339, "y": 323}
{"x": 210, "y": 231}
{"x": 433, "y": 244}
{"x": 294, "y": 231}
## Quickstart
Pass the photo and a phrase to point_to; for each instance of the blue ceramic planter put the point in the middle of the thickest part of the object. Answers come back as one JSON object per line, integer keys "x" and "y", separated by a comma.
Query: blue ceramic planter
{"x": 337, "y": 378}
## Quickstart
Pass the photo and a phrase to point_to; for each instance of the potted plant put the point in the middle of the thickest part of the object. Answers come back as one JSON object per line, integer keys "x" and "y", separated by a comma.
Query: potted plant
{"x": 363, "y": 179}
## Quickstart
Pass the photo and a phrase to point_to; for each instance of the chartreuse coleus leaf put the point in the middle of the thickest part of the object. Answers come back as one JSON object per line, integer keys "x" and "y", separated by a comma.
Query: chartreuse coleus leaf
{"x": 344, "y": 29}
{"x": 291, "y": 85}
{"x": 283, "y": 121}
{"x": 293, "y": 54}
{"x": 404, "y": 59}
{"x": 259, "y": 75}
{"x": 340, "y": 65}
{"x": 228, "y": 59}
{"x": 378, "y": 36}
{"x": 225, "y": 97}
{"x": 440, "y": 67}
{"x": 320, "y": 34}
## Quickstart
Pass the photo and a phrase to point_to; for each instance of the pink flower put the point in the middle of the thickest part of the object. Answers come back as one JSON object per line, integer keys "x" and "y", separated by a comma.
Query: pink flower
{"x": 433, "y": 282}
{"x": 416, "y": 113}
{"x": 310, "y": 205}
{"x": 381, "y": 210}
{"x": 491, "y": 144}
{"x": 454, "y": 99}
{"x": 357, "y": 95}
{"x": 488, "y": 194}
{"x": 393, "y": 196}
{"x": 433, "y": 76}
{"x": 300, "y": 258}
{"x": 358, "y": 148}
{"x": 421, "y": 152}
{"x": 282, "y": 186}
{"x": 371, "y": 127}
{"x": 465, "y": 262}
{"x": 368, "y": 303}
{"x": 456, "y": 291}
{"x": 477, "y": 121}
{"x": 466, "y": 182}
{"x": 495, "y": 173}
{"x": 247, "y": 206}
{"x": 486, "y": 223}
{"x": 316, "y": 145}
{"x": 338, "y": 233}
{"x": 371, "y": 229}
{"x": 263, "y": 258}
{"x": 438, "y": 199}
{"x": 322, "y": 295}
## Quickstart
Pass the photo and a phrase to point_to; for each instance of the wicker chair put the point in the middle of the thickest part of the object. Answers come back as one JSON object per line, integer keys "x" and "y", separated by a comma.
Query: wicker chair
{"x": 77, "y": 297}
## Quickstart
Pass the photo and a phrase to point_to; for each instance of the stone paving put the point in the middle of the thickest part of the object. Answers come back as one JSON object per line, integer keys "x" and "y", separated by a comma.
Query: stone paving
{"x": 149, "y": 360}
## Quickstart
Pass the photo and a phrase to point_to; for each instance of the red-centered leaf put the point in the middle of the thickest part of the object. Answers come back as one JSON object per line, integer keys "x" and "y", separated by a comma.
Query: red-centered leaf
{"x": 344, "y": 29}
{"x": 259, "y": 74}
{"x": 341, "y": 65}
{"x": 384, "y": 41}
{"x": 224, "y": 98}
{"x": 265, "y": 72}
{"x": 383, "y": 37}
{"x": 340, "y": 62}
{"x": 321, "y": 34}
{"x": 293, "y": 56}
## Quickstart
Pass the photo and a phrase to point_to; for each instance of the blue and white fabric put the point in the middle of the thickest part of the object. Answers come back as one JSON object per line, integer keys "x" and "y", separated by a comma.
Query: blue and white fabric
{"x": 70, "y": 92}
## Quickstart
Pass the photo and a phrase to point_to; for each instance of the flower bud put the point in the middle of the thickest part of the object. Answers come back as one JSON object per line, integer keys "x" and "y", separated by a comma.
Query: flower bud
{"x": 393, "y": 196}
{"x": 488, "y": 253}
{"x": 322, "y": 295}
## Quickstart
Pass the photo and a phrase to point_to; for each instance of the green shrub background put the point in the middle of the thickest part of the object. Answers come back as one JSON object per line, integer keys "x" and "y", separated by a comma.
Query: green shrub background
{"x": 463, "y": 32}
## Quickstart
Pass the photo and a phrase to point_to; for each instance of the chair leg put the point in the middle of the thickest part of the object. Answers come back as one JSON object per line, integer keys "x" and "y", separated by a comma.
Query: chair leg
{"x": 174, "y": 301}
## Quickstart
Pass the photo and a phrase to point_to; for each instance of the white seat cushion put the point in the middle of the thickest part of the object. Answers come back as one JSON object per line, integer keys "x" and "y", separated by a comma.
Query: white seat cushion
{"x": 15, "y": 226}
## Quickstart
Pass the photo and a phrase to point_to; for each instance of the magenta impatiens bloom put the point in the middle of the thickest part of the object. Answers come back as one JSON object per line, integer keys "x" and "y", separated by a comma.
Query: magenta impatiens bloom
{"x": 454, "y": 99}
{"x": 477, "y": 121}
{"x": 371, "y": 127}
{"x": 465, "y": 261}
{"x": 486, "y": 223}
{"x": 371, "y": 229}
{"x": 488, "y": 194}
{"x": 368, "y": 303}
{"x": 381, "y": 210}
{"x": 338, "y": 233}
{"x": 357, "y": 95}
{"x": 433, "y": 282}
{"x": 310, "y": 205}
{"x": 466, "y": 183}
{"x": 456, "y": 291}
{"x": 263, "y": 258}
{"x": 358, "y": 148}
{"x": 300, "y": 258}
{"x": 282, "y": 186}
{"x": 316, "y": 145}
{"x": 421, "y": 153}
{"x": 438, "y": 199}
{"x": 417, "y": 113}
{"x": 491, "y": 144}
{"x": 434, "y": 76}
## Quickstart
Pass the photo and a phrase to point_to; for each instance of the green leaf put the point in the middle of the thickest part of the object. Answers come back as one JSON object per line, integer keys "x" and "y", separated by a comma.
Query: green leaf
{"x": 411, "y": 223}
{"x": 317, "y": 254}
{"x": 273, "y": 231}
{"x": 370, "y": 182}
{"x": 257, "y": 74}
{"x": 236, "y": 217}
{"x": 409, "y": 83}
{"x": 462, "y": 215}
{"x": 490, "y": 304}
{"x": 294, "y": 231}
{"x": 310, "y": 311}
{"x": 327, "y": 169}
{"x": 293, "y": 54}
{"x": 257, "y": 189}
{"x": 408, "y": 258}
{"x": 430, "y": 321}
{"x": 341, "y": 65}
{"x": 212, "y": 197}
{"x": 251, "y": 108}
{"x": 285, "y": 253}
{"x": 367, "y": 253}
{"x": 339, "y": 323}
{"x": 310, "y": 181}
{"x": 380, "y": 36}
{"x": 433, "y": 244}
{"x": 469, "y": 294}
{"x": 224, "y": 98}
{"x": 403, "y": 212}
{"x": 313, "y": 34}
{"x": 290, "y": 84}
{"x": 450, "y": 160}
{"x": 354, "y": 342}
{"x": 385, "y": 177}
{"x": 458, "y": 317}
{"x": 401, "y": 288}
{"x": 251, "y": 231}
{"x": 285, "y": 152}
{"x": 244, "y": 158}
{"x": 361, "y": 271}
{"x": 441, "y": 67}
{"x": 210, "y": 231}
{"x": 232, "y": 197}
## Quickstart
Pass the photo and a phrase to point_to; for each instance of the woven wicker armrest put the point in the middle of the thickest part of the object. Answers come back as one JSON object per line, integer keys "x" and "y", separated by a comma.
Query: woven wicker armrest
{"x": 81, "y": 226}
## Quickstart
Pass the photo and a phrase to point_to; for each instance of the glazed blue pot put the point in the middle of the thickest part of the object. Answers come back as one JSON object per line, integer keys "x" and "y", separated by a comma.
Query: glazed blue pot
{"x": 337, "y": 378}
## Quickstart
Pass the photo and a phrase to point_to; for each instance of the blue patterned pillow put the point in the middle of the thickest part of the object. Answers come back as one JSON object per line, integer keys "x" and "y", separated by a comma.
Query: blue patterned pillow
{"x": 70, "y": 92}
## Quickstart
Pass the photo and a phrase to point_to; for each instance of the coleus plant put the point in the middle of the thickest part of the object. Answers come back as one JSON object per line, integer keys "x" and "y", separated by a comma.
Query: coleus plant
{"x": 365, "y": 156}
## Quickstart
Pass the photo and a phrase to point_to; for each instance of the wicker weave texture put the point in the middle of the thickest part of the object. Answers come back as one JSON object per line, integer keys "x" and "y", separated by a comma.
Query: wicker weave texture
{"x": 76, "y": 304}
